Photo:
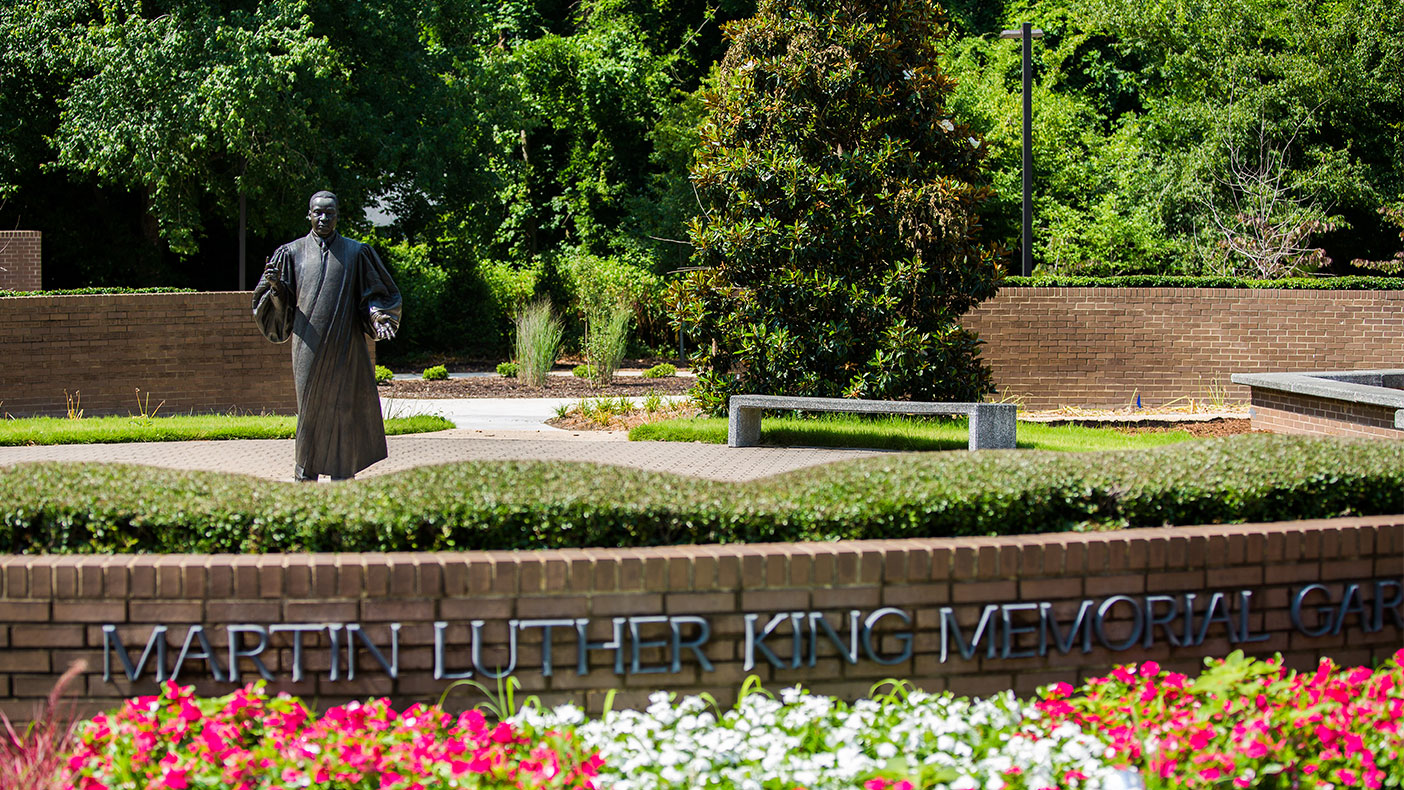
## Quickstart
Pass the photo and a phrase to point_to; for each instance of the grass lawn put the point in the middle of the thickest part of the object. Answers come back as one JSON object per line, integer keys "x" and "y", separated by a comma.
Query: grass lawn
{"x": 109, "y": 430}
{"x": 897, "y": 433}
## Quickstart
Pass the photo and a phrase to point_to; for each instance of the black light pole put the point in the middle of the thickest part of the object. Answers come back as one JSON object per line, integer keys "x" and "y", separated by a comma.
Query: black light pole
{"x": 1028, "y": 34}
{"x": 243, "y": 226}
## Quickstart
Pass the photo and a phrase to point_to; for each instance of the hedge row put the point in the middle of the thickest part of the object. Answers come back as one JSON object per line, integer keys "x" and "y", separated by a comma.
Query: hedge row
{"x": 1352, "y": 283}
{"x": 65, "y": 508}
{"x": 97, "y": 292}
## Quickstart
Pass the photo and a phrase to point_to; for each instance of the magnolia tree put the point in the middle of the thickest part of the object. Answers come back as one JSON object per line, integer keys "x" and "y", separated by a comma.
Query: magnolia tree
{"x": 839, "y": 241}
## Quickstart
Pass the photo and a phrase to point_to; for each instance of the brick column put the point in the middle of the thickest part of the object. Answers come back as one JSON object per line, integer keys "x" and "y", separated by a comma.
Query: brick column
{"x": 19, "y": 260}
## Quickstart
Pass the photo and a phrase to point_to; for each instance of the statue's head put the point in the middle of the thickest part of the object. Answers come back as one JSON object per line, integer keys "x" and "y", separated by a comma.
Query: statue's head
{"x": 321, "y": 210}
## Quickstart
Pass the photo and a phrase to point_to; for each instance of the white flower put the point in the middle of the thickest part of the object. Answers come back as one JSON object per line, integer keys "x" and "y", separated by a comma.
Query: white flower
{"x": 945, "y": 123}
{"x": 974, "y": 143}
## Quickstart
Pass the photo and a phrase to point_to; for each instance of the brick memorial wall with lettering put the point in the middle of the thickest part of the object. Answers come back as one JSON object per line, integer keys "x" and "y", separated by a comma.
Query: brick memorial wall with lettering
{"x": 1103, "y": 347}
{"x": 972, "y": 616}
{"x": 190, "y": 352}
{"x": 20, "y": 265}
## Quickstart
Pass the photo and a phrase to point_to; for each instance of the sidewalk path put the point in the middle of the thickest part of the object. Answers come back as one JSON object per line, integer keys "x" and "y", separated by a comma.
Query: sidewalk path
{"x": 508, "y": 429}
{"x": 273, "y": 458}
{"x": 482, "y": 414}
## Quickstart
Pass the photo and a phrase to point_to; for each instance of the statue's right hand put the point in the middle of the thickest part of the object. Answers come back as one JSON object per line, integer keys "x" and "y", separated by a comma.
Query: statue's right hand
{"x": 272, "y": 272}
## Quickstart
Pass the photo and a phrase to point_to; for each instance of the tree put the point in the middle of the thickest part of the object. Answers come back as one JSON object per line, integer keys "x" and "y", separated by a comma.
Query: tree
{"x": 198, "y": 109}
{"x": 1134, "y": 153}
{"x": 192, "y": 103}
{"x": 840, "y": 241}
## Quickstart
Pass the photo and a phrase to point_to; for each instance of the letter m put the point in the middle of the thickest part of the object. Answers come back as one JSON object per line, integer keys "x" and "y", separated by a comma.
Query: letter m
{"x": 985, "y": 628}
{"x": 112, "y": 643}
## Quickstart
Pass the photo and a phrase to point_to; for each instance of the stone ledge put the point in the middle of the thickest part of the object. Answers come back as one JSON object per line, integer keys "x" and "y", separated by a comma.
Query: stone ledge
{"x": 1358, "y": 386}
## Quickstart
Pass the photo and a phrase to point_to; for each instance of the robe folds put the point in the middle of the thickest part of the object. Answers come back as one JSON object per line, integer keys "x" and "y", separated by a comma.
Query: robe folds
{"x": 335, "y": 286}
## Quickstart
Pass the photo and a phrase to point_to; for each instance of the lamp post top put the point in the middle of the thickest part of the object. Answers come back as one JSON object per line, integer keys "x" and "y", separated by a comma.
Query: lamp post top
{"x": 1019, "y": 33}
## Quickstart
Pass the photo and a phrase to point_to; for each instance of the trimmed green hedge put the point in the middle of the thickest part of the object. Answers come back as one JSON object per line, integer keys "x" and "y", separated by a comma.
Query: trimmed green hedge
{"x": 98, "y": 292}
{"x": 508, "y": 505}
{"x": 1357, "y": 283}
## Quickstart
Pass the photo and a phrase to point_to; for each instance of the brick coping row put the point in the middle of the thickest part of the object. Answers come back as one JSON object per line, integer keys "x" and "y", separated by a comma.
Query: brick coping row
{"x": 701, "y": 567}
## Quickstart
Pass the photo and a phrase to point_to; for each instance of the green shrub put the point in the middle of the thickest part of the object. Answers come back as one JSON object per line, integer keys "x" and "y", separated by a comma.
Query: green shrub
{"x": 436, "y": 373}
{"x": 383, "y": 375}
{"x": 511, "y": 285}
{"x": 662, "y": 370}
{"x": 55, "y": 507}
{"x": 599, "y": 285}
{"x": 539, "y": 334}
{"x": 838, "y": 247}
{"x": 435, "y": 286}
{"x": 583, "y": 372}
{"x": 507, "y": 369}
{"x": 1168, "y": 281}
{"x": 96, "y": 292}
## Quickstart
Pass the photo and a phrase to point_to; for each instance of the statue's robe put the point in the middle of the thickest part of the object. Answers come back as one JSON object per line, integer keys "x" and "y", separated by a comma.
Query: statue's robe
{"x": 335, "y": 286}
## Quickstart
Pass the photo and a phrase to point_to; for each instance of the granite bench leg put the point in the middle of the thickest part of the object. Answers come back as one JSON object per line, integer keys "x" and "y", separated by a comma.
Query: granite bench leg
{"x": 743, "y": 427}
{"x": 993, "y": 426}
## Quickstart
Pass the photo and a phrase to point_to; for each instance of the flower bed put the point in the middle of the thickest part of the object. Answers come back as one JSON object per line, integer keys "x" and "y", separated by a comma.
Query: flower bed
{"x": 904, "y": 740}
{"x": 1242, "y": 723}
{"x": 248, "y": 740}
{"x": 1245, "y": 723}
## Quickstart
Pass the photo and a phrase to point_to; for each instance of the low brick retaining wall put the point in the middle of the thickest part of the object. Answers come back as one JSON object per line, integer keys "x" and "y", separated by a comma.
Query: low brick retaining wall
{"x": 197, "y": 352}
{"x": 1103, "y": 347}
{"x": 1285, "y": 412}
{"x": 1330, "y": 403}
{"x": 970, "y": 615}
{"x": 1048, "y": 347}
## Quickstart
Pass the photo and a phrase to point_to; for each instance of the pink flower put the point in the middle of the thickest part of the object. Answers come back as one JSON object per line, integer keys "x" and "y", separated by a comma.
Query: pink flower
{"x": 502, "y": 733}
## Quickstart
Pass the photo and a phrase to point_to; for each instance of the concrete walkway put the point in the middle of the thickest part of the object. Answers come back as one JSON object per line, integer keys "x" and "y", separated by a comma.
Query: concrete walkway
{"x": 489, "y": 430}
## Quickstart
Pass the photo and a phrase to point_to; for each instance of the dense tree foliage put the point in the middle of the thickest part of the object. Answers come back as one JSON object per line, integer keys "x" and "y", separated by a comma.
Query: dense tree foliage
{"x": 839, "y": 245}
{"x": 507, "y": 138}
{"x": 1182, "y": 135}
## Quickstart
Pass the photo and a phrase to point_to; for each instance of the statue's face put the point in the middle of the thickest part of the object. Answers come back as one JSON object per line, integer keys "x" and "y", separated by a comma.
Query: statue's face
{"x": 322, "y": 213}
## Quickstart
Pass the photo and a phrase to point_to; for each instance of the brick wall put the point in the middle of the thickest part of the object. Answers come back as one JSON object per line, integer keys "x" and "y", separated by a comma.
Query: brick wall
{"x": 20, "y": 268}
{"x": 53, "y": 610}
{"x": 1104, "y": 346}
{"x": 1288, "y": 412}
{"x": 1048, "y": 346}
{"x": 196, "y": 352}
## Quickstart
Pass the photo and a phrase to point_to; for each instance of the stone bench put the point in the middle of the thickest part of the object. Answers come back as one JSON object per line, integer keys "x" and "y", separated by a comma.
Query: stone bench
{"x": 992, "y": 425}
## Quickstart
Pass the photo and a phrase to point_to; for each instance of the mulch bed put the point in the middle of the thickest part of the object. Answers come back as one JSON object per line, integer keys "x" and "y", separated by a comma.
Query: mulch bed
{"x": 637, "y": 387}
{"x": 1208, "y": 429}
{"x": 556, "y": 387}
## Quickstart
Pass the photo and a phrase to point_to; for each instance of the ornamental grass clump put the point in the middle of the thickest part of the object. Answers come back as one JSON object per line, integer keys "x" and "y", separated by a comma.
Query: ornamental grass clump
{"x": 33, "y": 758}
{"x": 606, "y": 336}
{"x": 250, "y": 741}
{"x": 1245, "y": 723}
{"x": 539, "y": 334}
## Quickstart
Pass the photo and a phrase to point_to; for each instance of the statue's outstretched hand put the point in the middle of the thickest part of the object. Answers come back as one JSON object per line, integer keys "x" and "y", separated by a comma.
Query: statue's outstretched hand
{"x": 384, "y": 326}
{"x": 272, "y": 272}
